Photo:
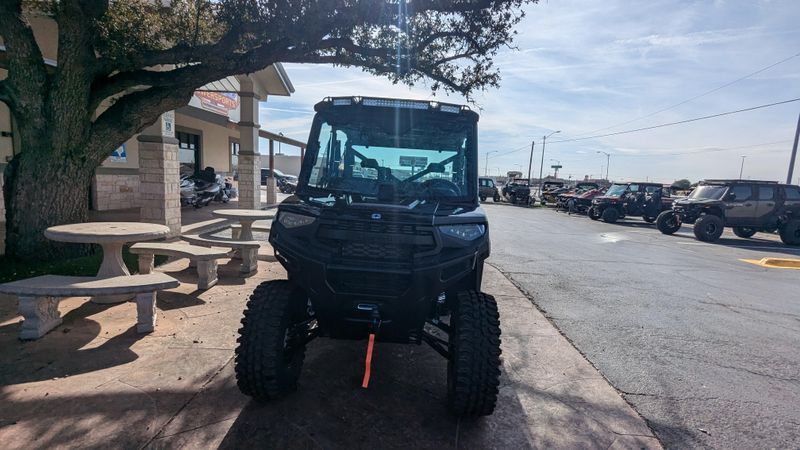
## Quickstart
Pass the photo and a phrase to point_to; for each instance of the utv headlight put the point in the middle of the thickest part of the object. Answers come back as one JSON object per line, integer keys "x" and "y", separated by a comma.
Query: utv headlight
{"x": 292, "y": 220}
{"x": 466, "y": 232}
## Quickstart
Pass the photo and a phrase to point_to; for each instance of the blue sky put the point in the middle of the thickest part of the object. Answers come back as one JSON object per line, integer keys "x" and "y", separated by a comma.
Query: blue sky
{"x": 583, "y": 66}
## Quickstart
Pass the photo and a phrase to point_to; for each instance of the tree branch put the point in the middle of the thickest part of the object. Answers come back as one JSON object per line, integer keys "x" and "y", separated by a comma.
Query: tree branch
{"x": 5, "y": 95}
{"x": 27, "y": 75}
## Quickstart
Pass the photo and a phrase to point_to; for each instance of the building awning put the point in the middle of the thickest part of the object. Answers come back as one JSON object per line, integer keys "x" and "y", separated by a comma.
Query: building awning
{"x": 272, "y": 80}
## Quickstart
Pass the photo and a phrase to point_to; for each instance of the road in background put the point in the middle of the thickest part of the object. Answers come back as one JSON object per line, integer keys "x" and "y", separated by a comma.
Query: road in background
{"x": 703, "y": 345}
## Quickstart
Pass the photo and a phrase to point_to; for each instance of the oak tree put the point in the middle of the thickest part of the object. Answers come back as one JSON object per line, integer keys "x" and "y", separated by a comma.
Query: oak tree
{"x": 146, "y": 57}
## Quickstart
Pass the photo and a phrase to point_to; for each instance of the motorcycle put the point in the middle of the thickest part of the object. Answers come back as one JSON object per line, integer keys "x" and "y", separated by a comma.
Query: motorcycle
{"x": 200, "y": 189}
{"x": 286, "y": 186}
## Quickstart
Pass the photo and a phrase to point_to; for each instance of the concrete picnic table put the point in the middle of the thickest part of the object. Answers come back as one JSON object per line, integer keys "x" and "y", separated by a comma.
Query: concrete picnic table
{"x": 245, "y": 217}
{"x": 111, "y": 236}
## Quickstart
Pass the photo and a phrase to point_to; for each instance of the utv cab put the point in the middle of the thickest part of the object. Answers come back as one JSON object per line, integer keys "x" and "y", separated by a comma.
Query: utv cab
{"x": 384, "y": 241}
{"x": 550, "y": 191}
{"x": 518, "y": 192}
{"x": 646, "y": 200}
{"x": 744, "y": 205}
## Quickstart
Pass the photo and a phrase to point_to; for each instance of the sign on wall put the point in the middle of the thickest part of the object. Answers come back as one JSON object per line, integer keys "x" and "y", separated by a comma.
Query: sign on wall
{"x": 119, "y": 155}
{"x": 222, "y": 103}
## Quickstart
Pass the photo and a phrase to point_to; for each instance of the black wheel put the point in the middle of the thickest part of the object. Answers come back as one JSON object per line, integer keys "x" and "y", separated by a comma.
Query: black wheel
{"x": 610, "y": 215}
{"x": 269, "y": 356}
{"x": 473, "y": 371}
{"x": 496, "y": 199}
{"x": 790, "y": 233}
{"x": 648, "y": 219}
{"x": 744, "y": 232}
{"x": 483, "y": 198}
{"x": 592, "y": 213}
{"x": 667, "y": 222}
{"x": 708, "y": 228}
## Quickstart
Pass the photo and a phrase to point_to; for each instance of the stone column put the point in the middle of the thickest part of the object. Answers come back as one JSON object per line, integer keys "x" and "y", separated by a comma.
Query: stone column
{"x": 159, "y": 174}
{"x": 249, "y": 156}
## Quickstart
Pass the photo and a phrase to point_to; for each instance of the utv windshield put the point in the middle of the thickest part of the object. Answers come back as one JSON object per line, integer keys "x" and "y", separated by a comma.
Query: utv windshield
{"x": 708, "y": 192}
{"x": 394, "y": 155}
{"x": 616, "y": 190}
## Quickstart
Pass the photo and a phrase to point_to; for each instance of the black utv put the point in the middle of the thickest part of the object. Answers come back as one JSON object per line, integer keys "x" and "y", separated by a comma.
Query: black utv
{"x": 383, "y": 241}
{"x": 518, "y": 192}
{"x": 746, "y": 206}
{"x": 646, "y": 200}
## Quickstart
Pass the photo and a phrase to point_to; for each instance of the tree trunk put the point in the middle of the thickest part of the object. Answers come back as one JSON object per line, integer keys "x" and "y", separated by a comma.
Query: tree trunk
{"x": 44, "y": 189}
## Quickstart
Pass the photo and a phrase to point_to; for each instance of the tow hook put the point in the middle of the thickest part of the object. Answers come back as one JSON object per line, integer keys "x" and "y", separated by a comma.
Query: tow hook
{"x": 374, "y": 326}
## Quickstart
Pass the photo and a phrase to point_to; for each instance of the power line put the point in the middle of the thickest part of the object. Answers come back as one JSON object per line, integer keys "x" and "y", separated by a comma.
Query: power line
{"x": 679, "y": 122}
{"x": 763, "y": 69}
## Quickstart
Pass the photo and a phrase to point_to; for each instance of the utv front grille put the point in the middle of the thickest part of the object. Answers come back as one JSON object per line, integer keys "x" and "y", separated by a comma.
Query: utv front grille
{"x": 368, "y": 283}
{"x": 376, "y": 241}
{"x": 374, "y": 251}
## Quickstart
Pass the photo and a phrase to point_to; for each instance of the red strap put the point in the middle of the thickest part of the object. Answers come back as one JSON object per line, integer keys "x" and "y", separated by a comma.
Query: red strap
{"x": 368, "y": 362}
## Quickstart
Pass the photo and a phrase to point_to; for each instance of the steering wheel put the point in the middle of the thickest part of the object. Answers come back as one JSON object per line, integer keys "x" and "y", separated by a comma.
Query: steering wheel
{"x": 443, "y": 187}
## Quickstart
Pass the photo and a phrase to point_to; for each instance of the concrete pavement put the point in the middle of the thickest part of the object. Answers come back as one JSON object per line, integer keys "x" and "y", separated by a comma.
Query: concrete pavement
{"x": 703, "y": 345}
{"x": 94, "y": 382}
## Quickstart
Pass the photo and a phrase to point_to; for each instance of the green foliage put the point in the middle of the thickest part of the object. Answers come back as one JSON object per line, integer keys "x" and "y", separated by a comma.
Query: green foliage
{"x": 682, "y": 184}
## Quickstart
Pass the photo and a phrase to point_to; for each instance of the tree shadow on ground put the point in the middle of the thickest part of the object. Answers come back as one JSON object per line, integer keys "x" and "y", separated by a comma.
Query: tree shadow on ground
{"x": 60, "y": 352}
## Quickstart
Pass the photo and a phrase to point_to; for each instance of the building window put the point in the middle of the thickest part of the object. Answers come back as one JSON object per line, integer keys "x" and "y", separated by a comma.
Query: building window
{"x": 235, "y": 159}
{"x": 188, "y": 153}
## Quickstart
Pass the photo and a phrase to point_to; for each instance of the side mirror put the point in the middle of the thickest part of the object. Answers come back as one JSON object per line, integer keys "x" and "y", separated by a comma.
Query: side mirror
{"x": 369, "y": 163}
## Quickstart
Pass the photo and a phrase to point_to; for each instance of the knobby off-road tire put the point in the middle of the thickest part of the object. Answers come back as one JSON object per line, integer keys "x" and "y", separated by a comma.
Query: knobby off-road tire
{"x": 708, "y": 228}
{"x": 483, "y": 198}
{"x": 267, "y": 362}
{"x": 592, "y": 213}
{"x": 496, "y": 199}
{"x": 744, "y": 232}
{"x": 667, "y": 222}
{"x": 473, "y": 370}
{"x": 790, "y": 233}
{"x": 610, "y": 215}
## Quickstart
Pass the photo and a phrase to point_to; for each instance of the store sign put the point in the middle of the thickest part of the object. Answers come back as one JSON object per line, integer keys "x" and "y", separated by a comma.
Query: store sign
{"x": 222, "y": 103}
{"x": 413, "y": 161}
{"x": 119, "y": 155}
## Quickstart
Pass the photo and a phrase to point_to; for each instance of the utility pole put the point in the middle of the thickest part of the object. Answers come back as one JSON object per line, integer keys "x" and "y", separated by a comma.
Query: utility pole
{"x": 741, "y": 169}
{"x": 608, "y": 162}
{"x": 486, "y": 166}
{"x": 794, "y": 152}
{"x": 544, "y": 141}
{"x": 530, "y": 162}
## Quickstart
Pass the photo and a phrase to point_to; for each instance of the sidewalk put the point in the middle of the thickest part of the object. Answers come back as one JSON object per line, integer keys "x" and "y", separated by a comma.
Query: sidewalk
{"x": 94, "y": 382}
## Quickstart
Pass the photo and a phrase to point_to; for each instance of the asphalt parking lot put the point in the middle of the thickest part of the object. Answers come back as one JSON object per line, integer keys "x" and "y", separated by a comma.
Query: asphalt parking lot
{"x": 703, "y": 345}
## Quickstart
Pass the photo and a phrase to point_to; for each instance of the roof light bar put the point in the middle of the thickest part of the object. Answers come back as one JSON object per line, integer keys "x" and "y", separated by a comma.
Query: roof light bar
{"x": 390, "y": 103}
{"x": 450, "y": 109}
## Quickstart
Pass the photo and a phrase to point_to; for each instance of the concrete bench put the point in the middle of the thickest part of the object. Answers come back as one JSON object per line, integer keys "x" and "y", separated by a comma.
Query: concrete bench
{"x": 39, "y": 297}
{"x": 204, "y": 258}
{"x": 247, "y": 249}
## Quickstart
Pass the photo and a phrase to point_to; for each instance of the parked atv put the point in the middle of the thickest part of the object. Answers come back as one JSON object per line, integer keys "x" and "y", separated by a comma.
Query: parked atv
{"x": 550, "y": 191}
{"x": 746, "y": 206}
{"x": 518, "y": 192}
{"x": 488, "y": 189}
{"x": 646, "y": 200}
{"x": 568, "y": 200}
{"x": 379, "y": 249}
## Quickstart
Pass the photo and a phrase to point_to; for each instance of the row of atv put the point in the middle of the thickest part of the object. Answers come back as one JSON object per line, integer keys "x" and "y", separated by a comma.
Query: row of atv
{"x": 747, "y": 207}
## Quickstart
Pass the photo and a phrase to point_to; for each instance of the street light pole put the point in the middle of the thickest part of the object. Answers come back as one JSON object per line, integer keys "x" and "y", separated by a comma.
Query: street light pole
{"x": 608, "y": 162}
{"x": 530, "y": 163}
{"x": 741, "y": 169}
{"x": 794, "y": 152}
{"x": 486, "y": 166}
{"x": 544, "y": 141}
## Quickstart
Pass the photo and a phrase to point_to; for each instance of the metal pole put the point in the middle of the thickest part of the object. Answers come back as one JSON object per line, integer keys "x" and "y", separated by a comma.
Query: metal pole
{"x": 608, "y": 163}
{"x": 541, "y": 182}
{"x": 530, "y": 163}
{"x": 486, "y": 166}
{"x": 794, "y": 152}
{"x": 741, "y": 169}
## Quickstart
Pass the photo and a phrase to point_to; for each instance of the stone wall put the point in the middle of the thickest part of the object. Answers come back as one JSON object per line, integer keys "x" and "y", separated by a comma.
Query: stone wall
{"x": 115, "y": 191}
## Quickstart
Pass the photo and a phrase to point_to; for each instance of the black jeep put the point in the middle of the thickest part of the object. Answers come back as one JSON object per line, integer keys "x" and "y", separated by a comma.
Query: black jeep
{"x": 488, "y": 189}
{"x": 384, "y": 240}
{"x": 746, "y": 206}
{"x": 645, "y": 200}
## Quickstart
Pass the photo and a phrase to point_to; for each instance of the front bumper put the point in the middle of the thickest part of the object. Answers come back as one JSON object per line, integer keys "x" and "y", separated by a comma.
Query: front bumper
{"x": 344, "y": 291}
